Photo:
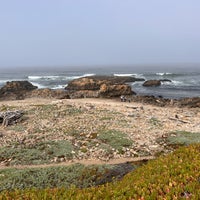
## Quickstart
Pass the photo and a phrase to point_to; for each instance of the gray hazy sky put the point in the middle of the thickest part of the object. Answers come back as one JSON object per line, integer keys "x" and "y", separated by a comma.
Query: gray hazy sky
{"x": 98, "y": 32}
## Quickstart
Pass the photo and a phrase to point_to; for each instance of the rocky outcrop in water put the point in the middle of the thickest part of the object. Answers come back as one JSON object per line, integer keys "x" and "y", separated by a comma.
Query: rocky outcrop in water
{"x": 151, "y": 83}
{"x": 101, "y": 86}
{"x": 165, "y": 80}
{"x": 17, "y": 90}
{"x": 115, "y": 90}
{"x": 95, "y": 82}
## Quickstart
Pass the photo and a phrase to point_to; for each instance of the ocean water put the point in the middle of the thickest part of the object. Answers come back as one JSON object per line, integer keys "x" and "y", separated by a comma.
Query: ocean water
{"x": 185, "y": 81}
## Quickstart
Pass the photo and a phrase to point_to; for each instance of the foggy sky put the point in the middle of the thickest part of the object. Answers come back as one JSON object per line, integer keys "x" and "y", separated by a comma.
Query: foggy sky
{"x": 98, "y": 32}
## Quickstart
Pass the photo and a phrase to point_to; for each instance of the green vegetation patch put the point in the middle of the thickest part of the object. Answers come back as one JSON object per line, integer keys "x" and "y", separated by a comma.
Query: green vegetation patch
{"x": 75, "y": 175}
{"x": 38, "y": 153}
{"x": 183, "y": 138}
{"x": 155, "y": 122}
{"x": 115, "y": 139}
{"x": 180, "y": 169}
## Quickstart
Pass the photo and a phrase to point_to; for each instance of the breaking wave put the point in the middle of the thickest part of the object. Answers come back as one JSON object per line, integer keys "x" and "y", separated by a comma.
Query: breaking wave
{"x": 163, "y": 73}
{"x": 131, "y": 75}
{"x": 57, "y": 77}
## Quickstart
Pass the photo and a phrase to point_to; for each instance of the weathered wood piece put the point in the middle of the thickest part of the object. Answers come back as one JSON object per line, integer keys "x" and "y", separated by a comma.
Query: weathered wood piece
{"x": 10, "y": 117}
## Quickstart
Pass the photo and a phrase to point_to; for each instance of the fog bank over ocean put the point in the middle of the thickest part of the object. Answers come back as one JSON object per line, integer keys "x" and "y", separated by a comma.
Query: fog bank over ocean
{"x": 128, "y": 68}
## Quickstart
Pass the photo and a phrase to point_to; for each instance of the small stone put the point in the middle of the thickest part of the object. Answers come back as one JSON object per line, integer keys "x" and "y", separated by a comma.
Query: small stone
{"x": 124, "y": 149}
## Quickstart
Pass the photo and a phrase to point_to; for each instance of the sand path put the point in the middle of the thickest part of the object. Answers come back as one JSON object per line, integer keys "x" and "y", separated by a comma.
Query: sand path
{"x": 83, "y": 162}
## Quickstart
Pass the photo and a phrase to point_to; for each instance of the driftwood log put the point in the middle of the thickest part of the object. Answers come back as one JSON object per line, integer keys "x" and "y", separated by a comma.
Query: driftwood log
{"x": 10, "y": 117}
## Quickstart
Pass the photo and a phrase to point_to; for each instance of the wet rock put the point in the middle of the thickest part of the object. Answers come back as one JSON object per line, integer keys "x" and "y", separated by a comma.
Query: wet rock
{"x": 17, "y": 90}
{"x": 151, "y": 83}
{"x": 165, "y": 80}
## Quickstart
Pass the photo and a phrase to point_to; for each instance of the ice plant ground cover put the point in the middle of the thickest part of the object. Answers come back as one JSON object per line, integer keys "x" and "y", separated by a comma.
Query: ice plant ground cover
{"x": 180, "y": 169}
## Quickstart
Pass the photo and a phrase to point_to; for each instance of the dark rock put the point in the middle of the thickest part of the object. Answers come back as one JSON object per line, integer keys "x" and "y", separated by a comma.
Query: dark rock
{"x": 16, "y": 90}
{"x": 152, "y": 100}
{"x": 165, "y": 80}
{"x": 14, "y": 86}
{"x": 150, "y": 83}
{"x": 189, "y": 102}
{"x": 193, "y": 102}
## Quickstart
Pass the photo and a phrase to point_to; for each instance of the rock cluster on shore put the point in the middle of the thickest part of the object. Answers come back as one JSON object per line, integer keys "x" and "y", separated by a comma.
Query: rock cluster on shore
{"x": 101, "y": 86}
{"x": 16, "y": 90}
{"x": 92, "y": 87}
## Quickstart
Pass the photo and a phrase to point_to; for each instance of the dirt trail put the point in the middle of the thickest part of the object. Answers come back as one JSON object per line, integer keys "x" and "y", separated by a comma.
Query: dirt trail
{"x": 84, "y": 162}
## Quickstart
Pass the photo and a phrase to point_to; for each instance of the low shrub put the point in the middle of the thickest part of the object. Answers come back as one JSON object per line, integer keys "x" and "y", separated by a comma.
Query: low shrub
{"x": 175, "y": 176}
{"x": 61, "y": 176}
{"x": 39, "y": 153}
{"x": 183, "y": 138}
{"x": 115, "y": 139}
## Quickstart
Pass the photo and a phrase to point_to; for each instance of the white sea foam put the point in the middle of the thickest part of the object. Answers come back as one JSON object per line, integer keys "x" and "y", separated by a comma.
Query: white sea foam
{"x": 173, "y": 82}
{"x": 49, "y": 77}
{"x": 59, "y": 87}
{"x": 163, "y": 73}
{"x": 34, "y": 77}
{"x": 3, "y": 81}
{"x": 131, "y": 75}
{"x": 38, "y": 85}
{"x": 88, "y": 75}
{"x": 124, "y": 74}
{"x": 42, "y": 77}
{"x": 76, "y": 77}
